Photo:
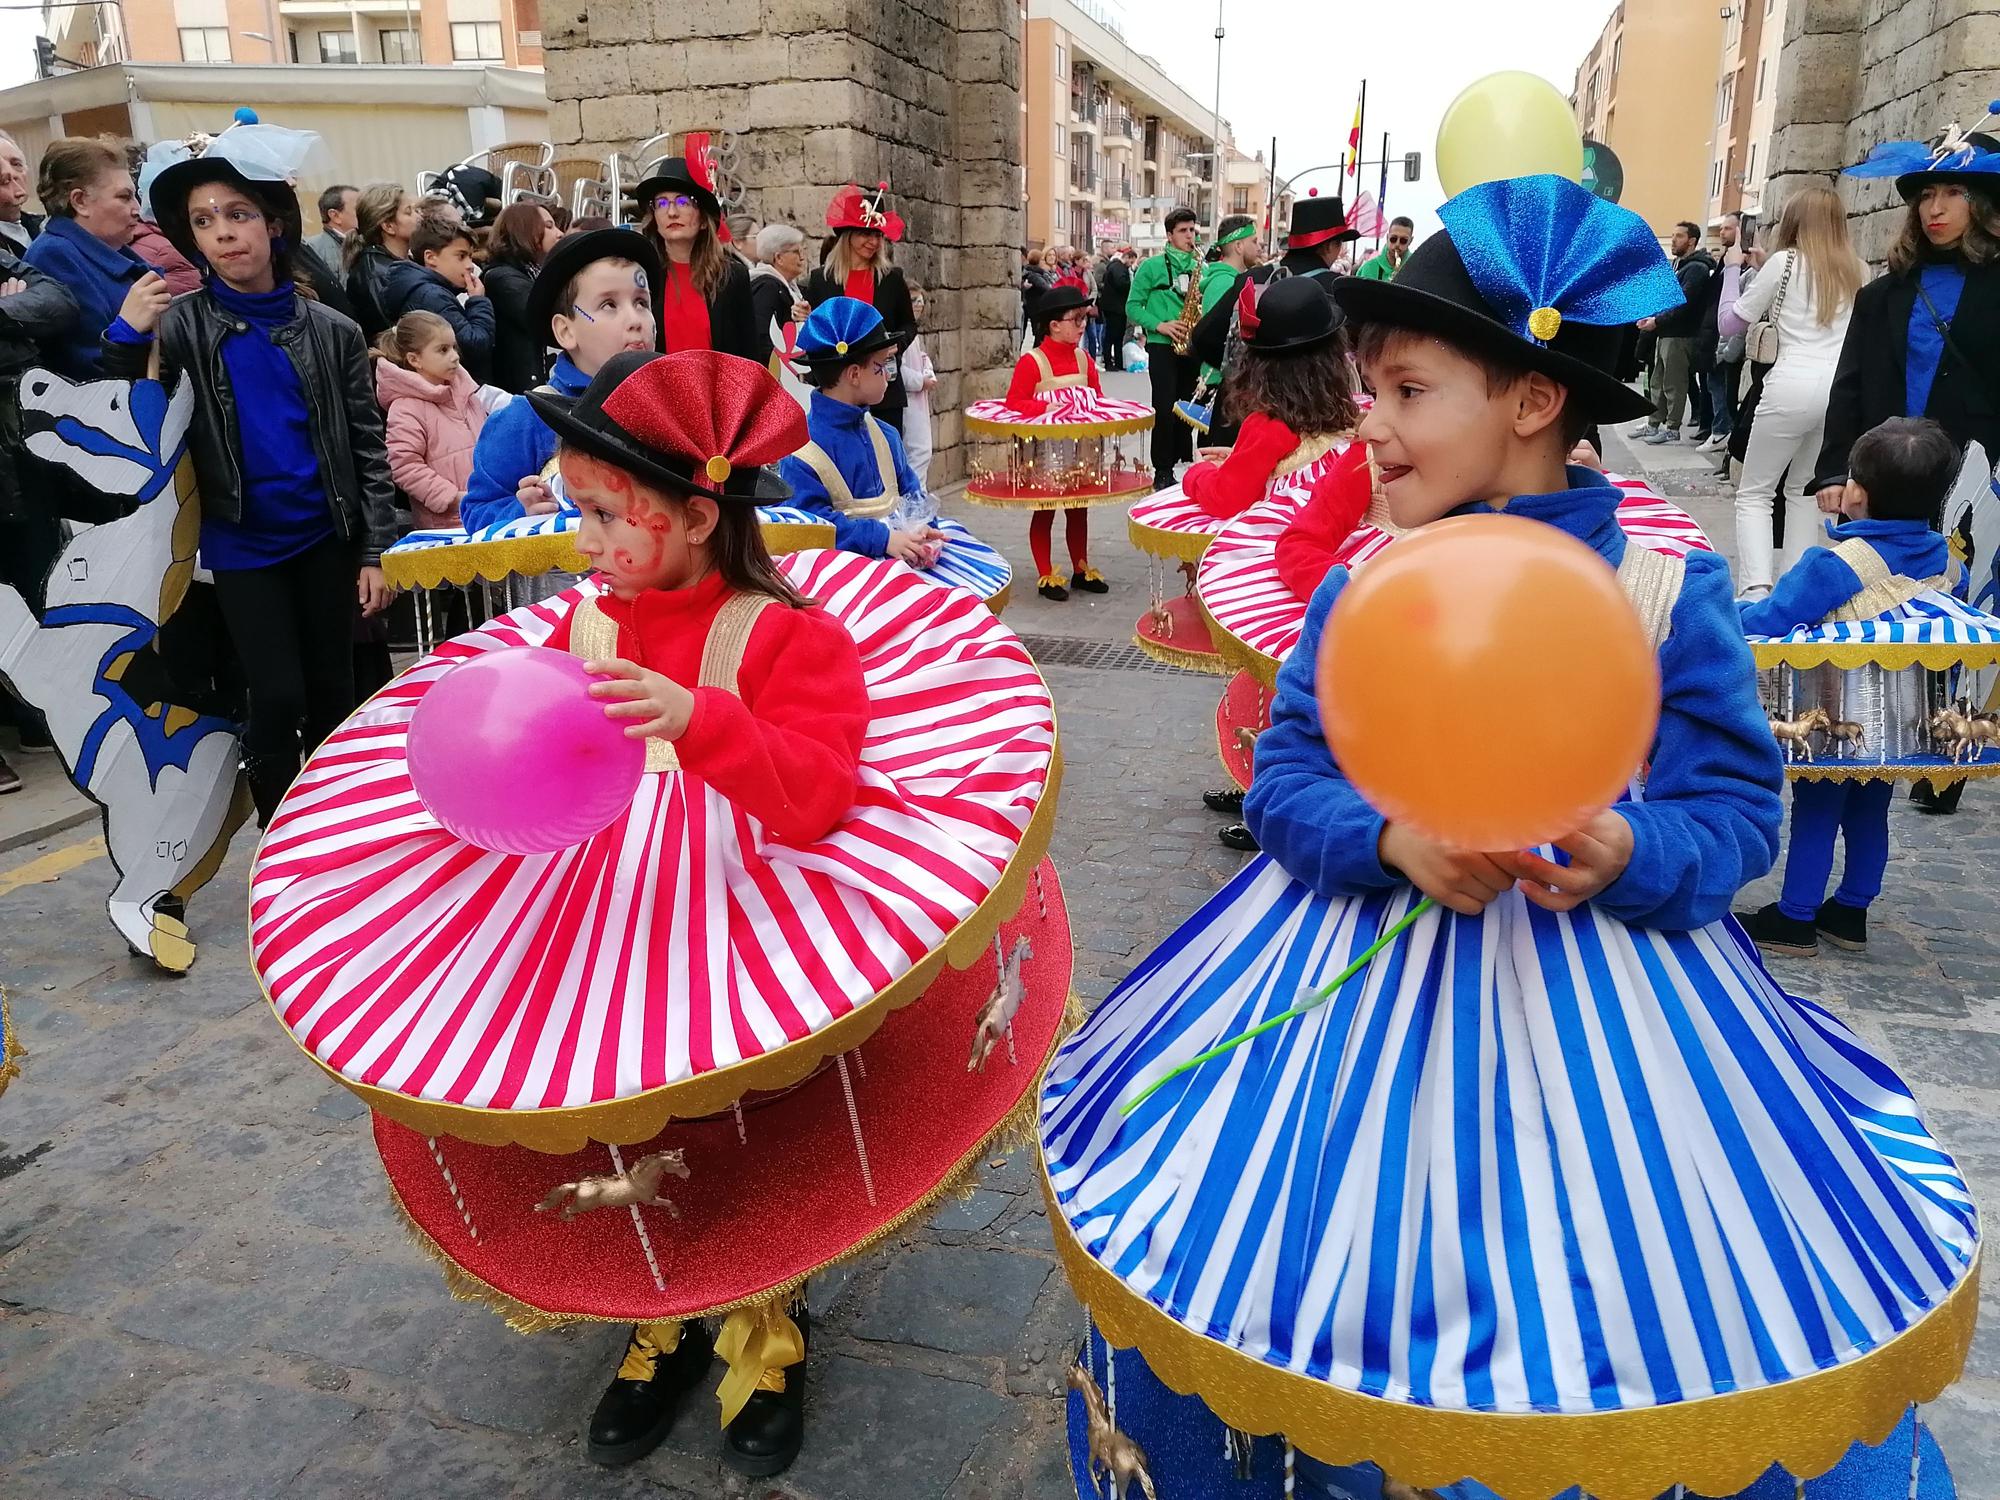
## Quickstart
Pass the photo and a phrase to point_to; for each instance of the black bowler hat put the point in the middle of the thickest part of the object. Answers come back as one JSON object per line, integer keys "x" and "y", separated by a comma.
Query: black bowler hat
{"x": 1315, "y": 220}
{"x": 1288, "y": 315}
{"x": 675, "y": 173}
{"x": 698, "y": 422}
{"x": 1534, "y": 271}
{"x": 574, "y": 252}
{"x": 1058, "y": 300}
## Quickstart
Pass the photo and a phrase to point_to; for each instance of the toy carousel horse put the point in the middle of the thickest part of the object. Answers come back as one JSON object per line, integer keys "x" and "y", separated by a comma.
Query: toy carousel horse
{"x": 165, "y": 775}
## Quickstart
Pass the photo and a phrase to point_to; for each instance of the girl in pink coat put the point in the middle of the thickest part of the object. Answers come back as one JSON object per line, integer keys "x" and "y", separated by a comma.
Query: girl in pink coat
{"x": 435, "y": 410}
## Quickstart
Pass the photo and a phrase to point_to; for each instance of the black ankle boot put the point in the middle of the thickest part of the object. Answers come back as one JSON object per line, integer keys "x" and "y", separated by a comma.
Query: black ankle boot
{"x": 1088, "y": 580}
{"x": 638, "y": 1409}
{"x": 1239, "y": 836}
{"x": 1843, "y": 926}
{"x": 1774, "y": 932}
{"x": 1227, "y": 800}
{"x": 768, "y": 1433}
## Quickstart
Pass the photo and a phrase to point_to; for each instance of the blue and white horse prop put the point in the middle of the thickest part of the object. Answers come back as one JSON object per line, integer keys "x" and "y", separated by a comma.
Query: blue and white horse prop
{"x": 165, "y": 775}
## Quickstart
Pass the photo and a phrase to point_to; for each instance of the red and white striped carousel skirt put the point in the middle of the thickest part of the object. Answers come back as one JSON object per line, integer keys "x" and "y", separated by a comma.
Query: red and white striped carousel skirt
{"x": 681, "y": 958}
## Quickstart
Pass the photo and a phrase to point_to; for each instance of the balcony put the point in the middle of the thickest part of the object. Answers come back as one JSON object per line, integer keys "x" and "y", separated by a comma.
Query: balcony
{"x": 1117, "y": 187}
{"x": 1116, "y": 127}
{"x": 1082, "y": 177}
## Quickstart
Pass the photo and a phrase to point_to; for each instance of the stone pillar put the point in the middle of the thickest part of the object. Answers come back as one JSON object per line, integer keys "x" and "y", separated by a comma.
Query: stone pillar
{"x": 1855, "y": 73}
{"x": 819, "y": 93}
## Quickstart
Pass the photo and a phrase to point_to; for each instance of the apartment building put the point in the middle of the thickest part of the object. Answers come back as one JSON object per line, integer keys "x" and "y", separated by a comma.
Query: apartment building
{"x": 1644, "y": 91}
{"x": 1110, "y": 144}
{"x": 486, "y": 33}
{"x": 1746, "y": 97}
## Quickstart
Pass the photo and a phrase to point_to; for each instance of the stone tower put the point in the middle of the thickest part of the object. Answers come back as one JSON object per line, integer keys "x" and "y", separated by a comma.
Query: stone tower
{"x": 819, "y": 93}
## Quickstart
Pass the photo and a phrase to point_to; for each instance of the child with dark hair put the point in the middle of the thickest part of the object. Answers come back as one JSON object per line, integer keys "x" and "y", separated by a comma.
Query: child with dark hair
{"x": 854, "y": 471}
{"x": 1058, "y": 361}
{"x": 441, "y": 277}
{"x": 593, "y": 298}
{"x": 296, "y": 498}
{"x": 1886, "y": 551}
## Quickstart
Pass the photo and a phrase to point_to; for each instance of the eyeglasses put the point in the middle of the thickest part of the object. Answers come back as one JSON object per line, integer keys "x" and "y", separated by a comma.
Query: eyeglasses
{"x": 673, "y": 200}
{"x": 1081, "y": 315}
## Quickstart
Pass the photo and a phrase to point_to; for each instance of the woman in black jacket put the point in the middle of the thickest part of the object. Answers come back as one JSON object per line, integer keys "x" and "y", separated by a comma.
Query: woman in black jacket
{"x": 286, "y": 439}
{"x": 522, "y": 238}
{"x": 384, "y": 219}
{"x": 857, "y": 263}
{"x": 1925, "y": 338}
{"x": 705, "y": 299}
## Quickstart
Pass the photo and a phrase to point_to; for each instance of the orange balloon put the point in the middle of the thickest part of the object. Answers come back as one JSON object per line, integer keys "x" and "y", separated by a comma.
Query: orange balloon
{"x": 1487, "y": 682}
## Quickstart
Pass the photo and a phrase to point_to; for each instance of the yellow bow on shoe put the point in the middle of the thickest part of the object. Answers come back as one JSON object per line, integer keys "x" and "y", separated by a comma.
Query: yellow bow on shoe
{"x": 755, "y": 1341}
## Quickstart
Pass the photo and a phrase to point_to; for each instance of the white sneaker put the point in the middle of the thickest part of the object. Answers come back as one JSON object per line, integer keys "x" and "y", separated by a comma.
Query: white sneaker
{"x": 1714, "y": 445}
{"x": 1643, "y": 430}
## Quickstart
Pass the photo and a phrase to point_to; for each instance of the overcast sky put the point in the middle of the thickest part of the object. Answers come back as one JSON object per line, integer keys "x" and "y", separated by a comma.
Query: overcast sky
{"x": 1293, "y": 71}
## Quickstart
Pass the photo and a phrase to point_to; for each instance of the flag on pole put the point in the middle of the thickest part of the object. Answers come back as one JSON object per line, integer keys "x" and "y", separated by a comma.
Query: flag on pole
{"x": 1353, "y": 152}
{"x": 1366, "y": 215}
{"x": 1382, "y": 196}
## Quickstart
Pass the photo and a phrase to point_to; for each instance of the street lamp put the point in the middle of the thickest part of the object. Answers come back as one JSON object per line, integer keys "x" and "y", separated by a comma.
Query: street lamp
{"x": 267, "y": 39}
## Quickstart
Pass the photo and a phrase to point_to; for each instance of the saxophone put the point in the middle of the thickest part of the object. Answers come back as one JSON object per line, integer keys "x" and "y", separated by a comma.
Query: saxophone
{"x": 1190, "y": 309}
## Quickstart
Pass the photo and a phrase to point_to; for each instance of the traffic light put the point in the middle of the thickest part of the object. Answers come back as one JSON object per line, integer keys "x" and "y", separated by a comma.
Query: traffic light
{"x": 45, "y": 57}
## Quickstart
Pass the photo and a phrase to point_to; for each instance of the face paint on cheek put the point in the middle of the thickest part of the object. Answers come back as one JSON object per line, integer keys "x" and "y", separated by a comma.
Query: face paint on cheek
{"x": 583, "y": 315}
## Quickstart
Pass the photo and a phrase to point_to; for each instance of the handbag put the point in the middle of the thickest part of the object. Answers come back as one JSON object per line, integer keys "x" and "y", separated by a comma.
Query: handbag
{"x": 1760, "y": 345}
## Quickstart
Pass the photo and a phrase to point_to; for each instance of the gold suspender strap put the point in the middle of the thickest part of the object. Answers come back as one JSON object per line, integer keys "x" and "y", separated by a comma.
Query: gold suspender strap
{"x": 874, "y": 508}
{"x": 1652, "y": 581}
{"x": 1881, "y": 589}
{"x": 1042, "y": 364}
{"x": 1051, "y": 381}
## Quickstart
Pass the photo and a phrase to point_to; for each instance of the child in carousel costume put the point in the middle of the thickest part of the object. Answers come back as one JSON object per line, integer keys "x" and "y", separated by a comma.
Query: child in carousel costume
{"x": 1561, "y": 1192}
{"x": 1886, "y": 552}
{"x": 1058, "y": 362}
{"x": 596, "y": 296}
{"x": 854, "y": 471}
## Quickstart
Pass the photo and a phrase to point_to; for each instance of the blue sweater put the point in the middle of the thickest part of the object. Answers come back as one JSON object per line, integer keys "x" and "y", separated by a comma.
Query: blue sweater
{"x": 841, "y": 430}
{"x": 1820, "y": 583}
{"x": 97, "y": 276}
{"x": 285, "y": 506}
{"x": 514, "y": 443}
{"x": 1708, "y": 824}
{"x": 1924, "y": 347}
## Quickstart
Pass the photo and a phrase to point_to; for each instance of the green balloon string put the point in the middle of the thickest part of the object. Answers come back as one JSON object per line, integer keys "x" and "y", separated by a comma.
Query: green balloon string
{"x": 1318, "y": 998}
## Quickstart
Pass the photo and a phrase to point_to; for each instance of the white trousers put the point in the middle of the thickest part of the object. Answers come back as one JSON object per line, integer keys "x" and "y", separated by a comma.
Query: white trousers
{"x": 1786, "y": 433}
{"x": 917, "y": 435}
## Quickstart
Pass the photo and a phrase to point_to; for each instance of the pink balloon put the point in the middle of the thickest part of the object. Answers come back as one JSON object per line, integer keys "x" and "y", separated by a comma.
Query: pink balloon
{"x": 509, "y": 751}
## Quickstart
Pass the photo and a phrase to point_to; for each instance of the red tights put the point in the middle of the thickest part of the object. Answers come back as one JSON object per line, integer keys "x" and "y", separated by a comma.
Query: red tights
{"x": 1076, "y": 532}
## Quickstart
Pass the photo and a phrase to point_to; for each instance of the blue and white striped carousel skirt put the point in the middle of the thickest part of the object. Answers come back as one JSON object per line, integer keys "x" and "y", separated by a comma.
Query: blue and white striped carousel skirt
{"x": 1528, "y": 1164}
{"x": 968, "y": 563}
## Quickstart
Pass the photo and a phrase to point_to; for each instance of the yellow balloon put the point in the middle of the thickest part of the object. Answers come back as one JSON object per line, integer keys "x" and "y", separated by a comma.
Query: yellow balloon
{"x": 1507, "y": 125}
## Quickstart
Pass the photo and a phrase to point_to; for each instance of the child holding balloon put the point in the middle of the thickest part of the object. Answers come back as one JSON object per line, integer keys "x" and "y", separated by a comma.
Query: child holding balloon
{"x": 715, "y": 661}
{"x": 1562, "y": 1146}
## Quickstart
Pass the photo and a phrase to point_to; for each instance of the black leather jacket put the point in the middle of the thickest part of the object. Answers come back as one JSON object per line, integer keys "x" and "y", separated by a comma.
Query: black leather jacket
{"x": 332, "y": 363}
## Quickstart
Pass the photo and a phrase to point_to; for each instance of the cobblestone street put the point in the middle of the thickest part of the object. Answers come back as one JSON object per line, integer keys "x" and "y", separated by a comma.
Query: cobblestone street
{"x": 204, "y": 1293}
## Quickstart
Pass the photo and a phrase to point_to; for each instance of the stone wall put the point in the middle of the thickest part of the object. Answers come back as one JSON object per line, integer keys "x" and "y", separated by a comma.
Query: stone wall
{"x": 819, "y": 93}
{"x": 1855, "y": 73}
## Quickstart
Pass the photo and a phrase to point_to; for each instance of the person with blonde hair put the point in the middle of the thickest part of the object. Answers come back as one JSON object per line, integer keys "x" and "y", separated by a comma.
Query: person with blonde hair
{"x": 857, "y": 262}
{"x": 385, "y": 216}
{"x": 1806, "y": 290}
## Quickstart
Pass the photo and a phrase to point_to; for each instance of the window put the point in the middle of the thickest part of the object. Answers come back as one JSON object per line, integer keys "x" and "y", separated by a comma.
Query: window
{"x": 476, "y": 41}
{"x": 1761, "y": 66}
{"x": 401, "y": 45}
{"x": 1062, "y": 61}
{"x": 1750, "y": 167}
{"x": 1062, "y": 139}
{"x": 1239, "y": 200}
{"x": 1617, "y": 46}
{"x": 338, "y": 47}
{"x": 204, "y": 44}
{"x": 1715, "y": 180}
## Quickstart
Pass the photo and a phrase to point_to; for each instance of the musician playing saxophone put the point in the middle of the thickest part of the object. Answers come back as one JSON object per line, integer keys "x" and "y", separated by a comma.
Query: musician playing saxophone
{"x": 1164, "y": 288}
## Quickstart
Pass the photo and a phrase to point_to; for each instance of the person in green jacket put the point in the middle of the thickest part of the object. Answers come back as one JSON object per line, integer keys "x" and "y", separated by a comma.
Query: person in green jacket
{"x": 1155, "y": 303}
{"x": 1383, "y": 267}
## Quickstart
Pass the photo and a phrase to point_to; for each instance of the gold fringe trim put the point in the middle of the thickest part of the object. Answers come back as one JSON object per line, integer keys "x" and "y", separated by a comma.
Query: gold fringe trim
{"x": 1311, "y": 450}
{"x": 1016, "y": 1129}
{"x": 1717, "y": 1445}
{"x": 1207, "y": 662}
{"x": 1890, "y": 658}
{"x": 796, "y": 536}
{"x": 469, "y": 562}
{"x": 1939, "y": 775}
{"x": 11, "y": 1050}
{"x": 1057, "y": 432}
{"x": 640, "y": 1117}
{"x": 998, "y": 602}
{"x": 1238, "y": 654}
{"x": 1082, "y": 499}
{"x": 1174, "y": 546}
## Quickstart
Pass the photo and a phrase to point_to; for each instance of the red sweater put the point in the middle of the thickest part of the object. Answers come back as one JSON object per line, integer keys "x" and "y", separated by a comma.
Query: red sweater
{"x": 1339, "y": 500}
{"x": 1231, "y": 487}
{"x": 786, "y": 746}
{"x": 683, "y": 312}
{"x": 860, "y": 285}
{"x": 1063, "y": 360}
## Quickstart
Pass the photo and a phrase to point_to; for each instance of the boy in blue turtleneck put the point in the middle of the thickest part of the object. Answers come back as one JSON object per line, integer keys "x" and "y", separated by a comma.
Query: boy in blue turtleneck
{"x": 853, "y": 471}
{"x": 596, "y": 295}
{"x": 1482, "y": 385}
{"x": 1886, "y": 552}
